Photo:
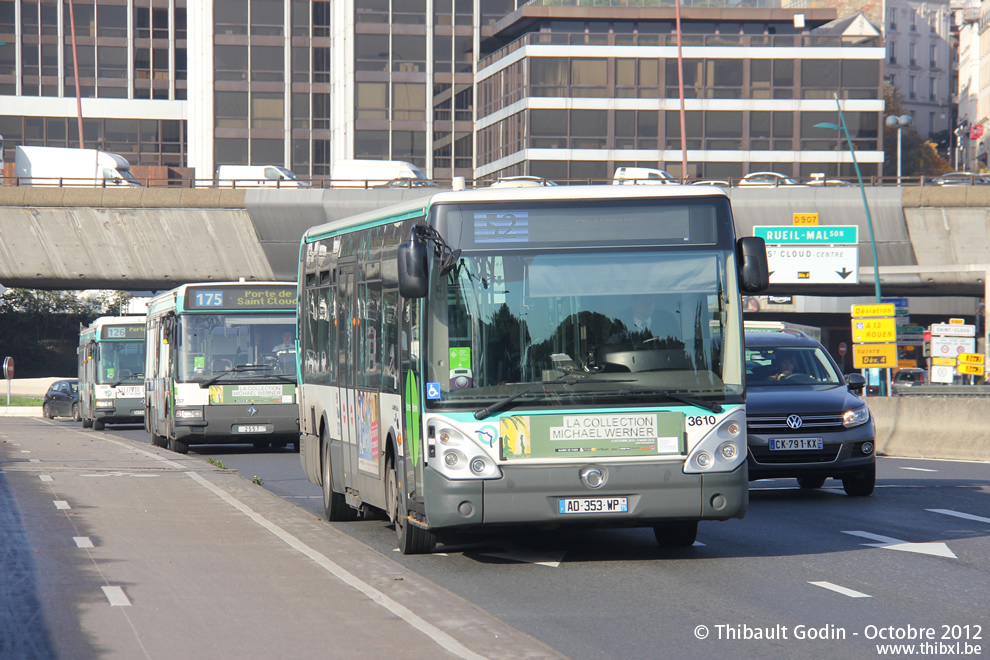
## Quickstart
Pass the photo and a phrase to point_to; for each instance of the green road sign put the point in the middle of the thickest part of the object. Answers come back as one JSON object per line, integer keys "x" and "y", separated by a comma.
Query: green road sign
{"x": 815, "y": 235}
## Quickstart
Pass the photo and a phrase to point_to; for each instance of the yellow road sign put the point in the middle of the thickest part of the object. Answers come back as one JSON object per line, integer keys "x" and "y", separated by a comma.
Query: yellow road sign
{"x": 957, "y": 321}
{"x": 943, "y": 362}
{"x": 863, "y": 311}
{"x": 970, "y": 358}
{"x": 874, "y": 330}
{"x": 874, "y": 355}
{"x": 971, "y": 369}
{"x": 805, "y": 219}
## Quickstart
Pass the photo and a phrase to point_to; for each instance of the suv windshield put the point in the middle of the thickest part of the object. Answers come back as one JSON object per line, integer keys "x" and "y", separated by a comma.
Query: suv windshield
{"x": 789, "y": 365}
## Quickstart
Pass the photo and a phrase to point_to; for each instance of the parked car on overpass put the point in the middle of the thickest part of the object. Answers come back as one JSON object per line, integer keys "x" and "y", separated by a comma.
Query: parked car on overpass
{"x": 767, "y": 180}
{"x": 961, "y": 179}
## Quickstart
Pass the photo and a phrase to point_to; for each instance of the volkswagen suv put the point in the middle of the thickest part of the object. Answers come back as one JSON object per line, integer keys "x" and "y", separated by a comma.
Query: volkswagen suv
{"x": 803, "y": 418}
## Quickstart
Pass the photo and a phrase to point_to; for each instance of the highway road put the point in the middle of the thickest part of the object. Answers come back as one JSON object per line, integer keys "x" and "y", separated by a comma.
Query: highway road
{"x": 806, "y": 574}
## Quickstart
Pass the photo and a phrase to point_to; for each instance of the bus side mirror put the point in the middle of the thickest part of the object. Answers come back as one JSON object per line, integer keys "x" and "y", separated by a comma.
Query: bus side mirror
{"x": 751, "y": 257}
{"x": 413, "y": 258}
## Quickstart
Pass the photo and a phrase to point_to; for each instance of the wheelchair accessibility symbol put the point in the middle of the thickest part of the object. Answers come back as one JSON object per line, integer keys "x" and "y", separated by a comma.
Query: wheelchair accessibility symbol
{"x": 433, "y": 390}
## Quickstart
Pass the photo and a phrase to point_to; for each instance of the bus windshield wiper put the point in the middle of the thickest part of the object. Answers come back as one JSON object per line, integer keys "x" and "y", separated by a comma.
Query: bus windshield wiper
{"x": 137, "y": 376}
{"x": 563, "y": 380}
{"x": 714, "y": 406}
{"x": 237, "y": 369}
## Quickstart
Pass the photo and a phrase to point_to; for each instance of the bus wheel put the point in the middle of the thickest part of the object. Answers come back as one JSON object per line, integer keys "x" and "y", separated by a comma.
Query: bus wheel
{"x": 676, "y": 534}
{"x": 178, "y": 446}
{"x": 98, "y": 425}
{"x": 413, "y": 540}
{"x": 334, "y": 505}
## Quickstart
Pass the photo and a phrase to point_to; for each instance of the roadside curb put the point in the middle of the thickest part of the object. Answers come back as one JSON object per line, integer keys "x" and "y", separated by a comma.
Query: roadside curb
{"x": 20, "y": 411}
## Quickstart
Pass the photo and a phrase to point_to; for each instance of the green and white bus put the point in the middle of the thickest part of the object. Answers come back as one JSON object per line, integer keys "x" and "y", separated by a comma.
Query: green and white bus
{"x": 111, "y": 371}
{"x": 221, "y": 365}
{"x": 465, "y": 360}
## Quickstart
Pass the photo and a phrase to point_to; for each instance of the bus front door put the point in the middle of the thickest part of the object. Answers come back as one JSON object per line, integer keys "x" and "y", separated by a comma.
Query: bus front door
{"x": 346, "y": 316}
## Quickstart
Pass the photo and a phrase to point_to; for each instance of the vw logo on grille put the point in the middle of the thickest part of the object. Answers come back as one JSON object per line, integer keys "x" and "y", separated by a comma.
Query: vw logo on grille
{"x": 794, "y": 421}
{"x": 254, "y": 411}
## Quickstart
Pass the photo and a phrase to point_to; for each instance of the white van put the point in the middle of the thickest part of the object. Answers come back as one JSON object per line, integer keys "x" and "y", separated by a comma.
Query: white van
{"x": 372, "y": 173}
{"x": 257, "y": 176}
{"x": 627, "y": 176}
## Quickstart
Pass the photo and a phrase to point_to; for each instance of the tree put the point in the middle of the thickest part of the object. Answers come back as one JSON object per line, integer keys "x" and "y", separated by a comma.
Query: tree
{"x": 919, "y": 157}
{"x": 40, "y": 329}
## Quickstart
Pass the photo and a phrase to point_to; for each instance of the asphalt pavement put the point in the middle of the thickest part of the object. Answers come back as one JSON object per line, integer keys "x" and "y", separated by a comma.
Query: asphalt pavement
{"x": 112, "y": 549}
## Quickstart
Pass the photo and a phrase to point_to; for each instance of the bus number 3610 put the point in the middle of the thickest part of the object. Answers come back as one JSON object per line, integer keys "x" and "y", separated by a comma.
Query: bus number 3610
{"x": 701, "y": 420}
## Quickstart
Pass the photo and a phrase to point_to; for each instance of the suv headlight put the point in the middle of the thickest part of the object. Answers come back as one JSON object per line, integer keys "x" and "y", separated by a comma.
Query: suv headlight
{"x": 856, "y": 417}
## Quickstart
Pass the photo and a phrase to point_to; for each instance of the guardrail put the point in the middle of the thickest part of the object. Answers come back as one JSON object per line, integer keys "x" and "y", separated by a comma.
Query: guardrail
{"x": 943, "y": 391}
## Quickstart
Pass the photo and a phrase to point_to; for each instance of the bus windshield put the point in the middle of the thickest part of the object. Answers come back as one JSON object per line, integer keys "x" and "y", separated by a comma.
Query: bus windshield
{"x": 120, "y": 361}
{"x": 236, "y": 347}
{"x": 615, "y": 324}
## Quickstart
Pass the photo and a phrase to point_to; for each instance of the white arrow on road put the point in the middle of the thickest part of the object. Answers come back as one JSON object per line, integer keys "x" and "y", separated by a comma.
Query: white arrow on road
{"x": 936, "y": 549}
{"x": 959, "y": 514}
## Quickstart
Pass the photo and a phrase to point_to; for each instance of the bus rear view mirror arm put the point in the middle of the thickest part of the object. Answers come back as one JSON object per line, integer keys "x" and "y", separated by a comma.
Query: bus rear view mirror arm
{"x": 413, "y": 260}
{"x": 754, "y": 273}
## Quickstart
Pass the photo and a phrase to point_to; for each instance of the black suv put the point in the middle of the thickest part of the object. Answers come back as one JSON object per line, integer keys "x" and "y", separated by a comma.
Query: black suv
{"x": 803, "y": 418}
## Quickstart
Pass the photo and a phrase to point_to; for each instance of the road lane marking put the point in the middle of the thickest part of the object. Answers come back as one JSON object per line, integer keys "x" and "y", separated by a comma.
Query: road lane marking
{"x": 919, "y": 469}
{"x": 62, "y": 504}
{"x": 116, "y": 596}
{"x": 888, "y": 543}
{"x": 513, "y": 552}
{"x": 440, "y": 637}
{"x": 959, "y": 514}
{"x": 46, "y": 477}
{"x": 82, "y": 542}
{"x": 842, "y": 590}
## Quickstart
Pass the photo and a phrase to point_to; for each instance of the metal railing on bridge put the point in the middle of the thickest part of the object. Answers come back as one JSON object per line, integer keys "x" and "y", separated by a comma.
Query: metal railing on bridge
{"x": 966, "y": 179}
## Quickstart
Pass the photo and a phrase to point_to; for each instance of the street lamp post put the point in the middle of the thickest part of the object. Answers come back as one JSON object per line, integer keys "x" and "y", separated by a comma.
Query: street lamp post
{"x": 899, "y": 122}
{"x": 866, "y": 206}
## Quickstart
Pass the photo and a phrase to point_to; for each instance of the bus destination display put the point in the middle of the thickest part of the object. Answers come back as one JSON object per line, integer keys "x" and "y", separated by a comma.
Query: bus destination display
{"x": 241, "y": 297}
{"x": 124, "y": 332}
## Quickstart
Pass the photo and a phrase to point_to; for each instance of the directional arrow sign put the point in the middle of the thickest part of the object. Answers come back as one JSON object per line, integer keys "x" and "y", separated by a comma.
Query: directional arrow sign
{"x": 936, "y": 549}
{"x": 813, "y": 264}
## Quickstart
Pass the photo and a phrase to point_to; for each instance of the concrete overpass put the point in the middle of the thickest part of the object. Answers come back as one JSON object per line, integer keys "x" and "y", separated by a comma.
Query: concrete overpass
{"x": 931, "y": 241}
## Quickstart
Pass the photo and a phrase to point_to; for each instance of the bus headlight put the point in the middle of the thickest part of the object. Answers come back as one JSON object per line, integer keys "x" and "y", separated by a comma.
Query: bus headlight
{"x": 722, "y": 449}
{"x": 189, "y": 413}
{"x": 461, "y": 457}
{"x": 104, "y": 403}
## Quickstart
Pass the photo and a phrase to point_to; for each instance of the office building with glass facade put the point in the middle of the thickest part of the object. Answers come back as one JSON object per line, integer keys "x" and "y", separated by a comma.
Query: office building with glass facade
{"x": 473, "y": 88}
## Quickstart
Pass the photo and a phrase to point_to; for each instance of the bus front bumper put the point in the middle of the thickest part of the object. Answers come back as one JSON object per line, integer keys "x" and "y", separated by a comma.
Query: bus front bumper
{"x": 653, "y": 493}
{"x": 235, "y": 424}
